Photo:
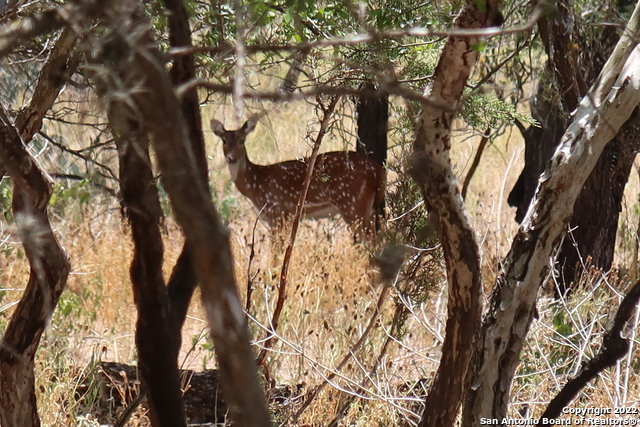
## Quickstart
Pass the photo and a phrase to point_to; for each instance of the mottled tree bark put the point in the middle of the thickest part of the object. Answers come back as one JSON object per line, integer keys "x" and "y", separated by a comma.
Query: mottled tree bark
{"x": 49, "y": 270}
{"x": 598, "y": 118}
{"x": 48, "y": 261}
{"x": 430, "y": 165}
{"x": 575, "y": 63}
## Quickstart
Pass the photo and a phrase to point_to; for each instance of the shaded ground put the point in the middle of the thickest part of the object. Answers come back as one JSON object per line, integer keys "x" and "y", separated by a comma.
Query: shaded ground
{"x": 111, "y": 386}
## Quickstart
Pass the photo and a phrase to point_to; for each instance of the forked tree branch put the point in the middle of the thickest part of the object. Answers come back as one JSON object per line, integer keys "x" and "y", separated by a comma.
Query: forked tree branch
{"x": 59, "y": 67}
{"x": 69, "y": 15}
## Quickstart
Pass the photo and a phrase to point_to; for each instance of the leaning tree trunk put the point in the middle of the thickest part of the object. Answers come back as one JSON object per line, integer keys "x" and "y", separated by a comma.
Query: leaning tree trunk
{"x": 183, "y": 279}
{"x": 47, "y": 259}
{"x": 49, "y": 270}
{"x": 598, "y": 118}
{"x": 430, "y": 166}
{"x": 595, "y": 219}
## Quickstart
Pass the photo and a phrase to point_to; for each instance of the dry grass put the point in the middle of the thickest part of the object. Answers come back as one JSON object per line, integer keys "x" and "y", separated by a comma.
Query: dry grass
{"x": 332, "y": 292}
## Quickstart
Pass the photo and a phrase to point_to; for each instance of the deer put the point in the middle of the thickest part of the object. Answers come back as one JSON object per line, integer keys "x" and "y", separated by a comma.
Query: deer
{"x": 347, "y": 183}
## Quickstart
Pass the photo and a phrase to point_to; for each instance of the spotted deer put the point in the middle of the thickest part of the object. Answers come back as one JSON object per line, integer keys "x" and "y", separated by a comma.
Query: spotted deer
{"x": 343, "y": 182}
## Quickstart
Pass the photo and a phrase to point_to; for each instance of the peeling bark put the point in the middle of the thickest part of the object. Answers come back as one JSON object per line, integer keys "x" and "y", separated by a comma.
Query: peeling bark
{"x": 598, "y": 118}
{"x": 430, "y": 165}
{"x": 575, "y": 61}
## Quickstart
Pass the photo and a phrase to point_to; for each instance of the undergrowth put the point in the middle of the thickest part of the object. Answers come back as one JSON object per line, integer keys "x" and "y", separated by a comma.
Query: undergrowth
{"x": 333, "y": 288}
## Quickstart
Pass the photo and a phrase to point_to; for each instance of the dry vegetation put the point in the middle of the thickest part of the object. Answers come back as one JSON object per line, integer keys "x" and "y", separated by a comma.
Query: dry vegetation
{"x": 331, "y": 297}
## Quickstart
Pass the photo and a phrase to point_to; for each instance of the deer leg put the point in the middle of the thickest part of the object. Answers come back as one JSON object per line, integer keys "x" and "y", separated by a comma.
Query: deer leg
{"x": 359, "y": 215}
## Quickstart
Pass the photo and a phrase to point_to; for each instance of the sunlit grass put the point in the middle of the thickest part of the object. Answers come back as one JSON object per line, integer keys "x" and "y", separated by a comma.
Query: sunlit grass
{"x": 332, "y": 289}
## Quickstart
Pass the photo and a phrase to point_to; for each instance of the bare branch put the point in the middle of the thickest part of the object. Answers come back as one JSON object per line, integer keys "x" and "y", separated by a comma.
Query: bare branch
{"x": 614, "y": 347}
{"x": 349, "y": 355}
{"x": 385, "y": 88}
{"x": 370, "y": 37}
{"x": 282, "y": 288}
{"x": 14, "y": 33}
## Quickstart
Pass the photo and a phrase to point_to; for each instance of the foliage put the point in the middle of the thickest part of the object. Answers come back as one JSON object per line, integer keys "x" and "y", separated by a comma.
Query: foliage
{"x": 72, "y": 197}
{"x": 333, "y": 290}
{"x": 6, "y": 195}
{"x": 488, "y": 111}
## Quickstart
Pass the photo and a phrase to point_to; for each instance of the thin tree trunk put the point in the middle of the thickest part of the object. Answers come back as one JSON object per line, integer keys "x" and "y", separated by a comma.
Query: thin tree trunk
{"x": 156, "y": 343}
{"x": 430, "y": 166}
{"x": 139, "y": 62}
{"x": 372, "y": 112}
{"x": 183, "y": 280}
{"x": 48, "y": 261}
{"x": 49, "y": 270}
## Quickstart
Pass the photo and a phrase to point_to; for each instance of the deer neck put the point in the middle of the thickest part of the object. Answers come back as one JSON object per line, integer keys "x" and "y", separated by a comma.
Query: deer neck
{"x": 236, "y": 169}
{"x": 242, "y": 173}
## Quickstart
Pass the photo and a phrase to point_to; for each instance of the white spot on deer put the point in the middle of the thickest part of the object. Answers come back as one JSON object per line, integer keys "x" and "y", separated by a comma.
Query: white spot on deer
{"x": 343, "y": 182}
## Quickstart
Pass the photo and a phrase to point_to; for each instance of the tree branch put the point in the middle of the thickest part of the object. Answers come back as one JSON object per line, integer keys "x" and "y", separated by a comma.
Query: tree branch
{"x": 17, "y": 32}
{"x": 614, "y": 347}
{"x": 389, "y": 87}
{"x": 282, "y": 287}
{"x": 598, "y": 118}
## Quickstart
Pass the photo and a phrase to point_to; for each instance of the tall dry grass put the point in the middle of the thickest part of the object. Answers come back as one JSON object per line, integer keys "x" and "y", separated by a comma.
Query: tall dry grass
{"x": 332, "y": 292}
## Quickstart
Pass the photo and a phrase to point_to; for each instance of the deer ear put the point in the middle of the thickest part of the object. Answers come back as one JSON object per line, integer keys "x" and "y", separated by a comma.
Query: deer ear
{"x": 217, "y": 127}
{"x": 249, "y": 125}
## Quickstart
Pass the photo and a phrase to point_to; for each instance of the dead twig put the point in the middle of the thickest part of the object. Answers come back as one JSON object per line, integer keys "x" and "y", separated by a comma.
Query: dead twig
{"x": 352, "y": 351}
{"x": 282, "y": 288}
{"x": 612, "y": 350}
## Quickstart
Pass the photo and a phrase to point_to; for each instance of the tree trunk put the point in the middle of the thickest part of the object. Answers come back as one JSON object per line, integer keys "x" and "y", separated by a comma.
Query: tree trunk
{"x": 49, "y": 270}
{"x": 183, "y": 279}
{"x": 47, "y": 259}
{"x": 155, "y": 340}
{"x": 593, "y": 226}
{"x": 430, "y": 166}
{"x": 372, "y": 112}
{"x": 598, "y": 118}
{"x": 595, "y": 219}
{"x": 139, "y": 63}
